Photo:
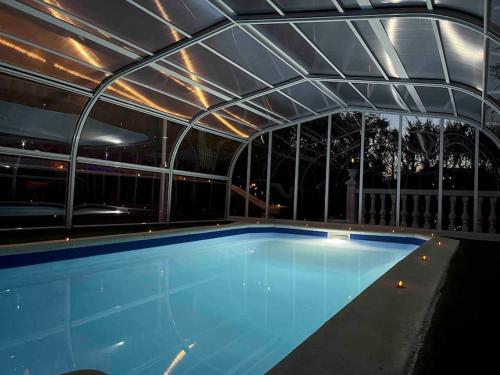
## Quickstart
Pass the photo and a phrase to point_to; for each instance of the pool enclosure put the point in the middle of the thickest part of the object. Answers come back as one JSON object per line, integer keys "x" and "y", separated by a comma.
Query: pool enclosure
{"x": 374, "y": 112}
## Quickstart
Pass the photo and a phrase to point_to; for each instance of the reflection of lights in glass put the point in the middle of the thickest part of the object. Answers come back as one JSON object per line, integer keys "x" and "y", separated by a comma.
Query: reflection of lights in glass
{"x": 21, "y": 50}
{"x": 178, "y": 358}
{"x": 471, "y": 53}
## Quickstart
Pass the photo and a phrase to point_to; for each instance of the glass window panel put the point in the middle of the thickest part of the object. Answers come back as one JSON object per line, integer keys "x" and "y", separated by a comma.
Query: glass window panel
{"x": 125, "y": 135}
{"x": 380, "y": 167}
{"x": 467, "y": 106}
{"x": 108, "y": 195}
{"x": 201, "y": 61}
{"x": 226, "y": 125}
{"x": 258, "y": 177}
{"x": 239, "y": 184}
{"x": 33, "y": 192}
{"x": 195, "y": 199}
{"x": 280, "y": 104}
{"x": 464, "y": 54}
{"x": 282, "y": 173}
{"x": 312, "y": 170}
{"x": 345, "y": 92}
{"x": 310, "y": 96}
{"x": 151, "y": 99}
{"x": 420, "y": 60}
{"x": 458, "y": 176}
{"x": 22, "y": 55}
{"x": 249, "y": 7}
{"x": 337, "y": 41}
{"x": 382, "y": 96}
{"x": 435, "y": 99}
{"x": 37, "y": 117}
{"x": 407, "y": 98}
{"x": 493, "y": 72}
{"x": 489, "y": 186}
{"x": 189, "y": 15}
{"x": 475, "y": 7}
{"x": 492, "y": 121}
{"x": 205, "y": 152}
{"x": 44, "y": 34}
{"x": 297, "y": 48}
{"x": 419, "y": 172}
{"x": 345, "y": 148}
{"x": 494, "y": 21}
{"x": 301, "y": 6}
{"x": 241, "y": 48}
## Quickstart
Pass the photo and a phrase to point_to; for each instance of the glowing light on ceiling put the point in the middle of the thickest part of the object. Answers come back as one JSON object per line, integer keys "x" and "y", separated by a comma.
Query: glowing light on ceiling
{"x": 21, "y": 50}
{"x": 88, "y": 56}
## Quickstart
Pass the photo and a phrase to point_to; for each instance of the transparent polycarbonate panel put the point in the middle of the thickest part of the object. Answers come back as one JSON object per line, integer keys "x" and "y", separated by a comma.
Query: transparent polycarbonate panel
{"x": 337, "y": 41}
{"x": 152, "y": 99}
{"x": 108, "y": 195}
{"x": 33, "y": 30}
{"x": 493, "y": 72}
{"x": 283, "y": 173}
{"x": 37, "y": 117}
{"x": 295, "y": 46}
{"x": 33, "y": 192}
{"x": 464, "y": 53}
{"x": 435, "y": 99}
{"x": 205, "y": 152}
{"x": 467, "y": 105}
{"x": 347, "y": 93}
{"x": 249, "y": 7}
{"x": 160, "y": 79}
{"x": 397, "y": 3}
{"x": 310, "y": 96}
{"x": 382, "y": 96}
{"x": 419, "y": 172}
{"x": 458, "y": 176}
{"x": 492, "y": 121}
{"x": 120, "y": 134}
{"x": 475, "y": 7}
{"x": 25, "y": 56}
{"x": 303, "y": 6}
{"x": 246, "y": 116}
{"x": 312, "y": 170}
{"x": 201, "y": 61}
{"x": 380, "y": 167}
{"x": 494, "y": 16}
{"x": 190, "y": 16}
{"x": 349, "y": 4}
{"x": 251, "y": 55}
{"x": 226, "y": 125}
{"x": 489, "y": 186}
{"x": 280, "y": 104}
{"x": 258, "y": 176}
{"x": 345, "y": 148}
{"x": 195, "y": 199}
{"x": 420, "y": 60}
{"x": 238, "y": 184}
{"x": 111, "y": 15}
{"x": 407, "y": 98}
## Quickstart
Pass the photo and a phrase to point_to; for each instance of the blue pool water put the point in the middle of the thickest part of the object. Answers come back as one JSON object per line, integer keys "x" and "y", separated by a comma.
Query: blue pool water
{"x": 232, "y": 305}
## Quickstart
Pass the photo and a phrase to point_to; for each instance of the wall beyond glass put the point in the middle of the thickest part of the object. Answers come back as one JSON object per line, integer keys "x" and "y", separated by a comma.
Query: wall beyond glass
{"x": 488, "y": 186}
{"x": 258, "y": 176}
{"x": 33, "y": 192}
{"x": 238, "y": 185}
{"x": 197, "y": 199}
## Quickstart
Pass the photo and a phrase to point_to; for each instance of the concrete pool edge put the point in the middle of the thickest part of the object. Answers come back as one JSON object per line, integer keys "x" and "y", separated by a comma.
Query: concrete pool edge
{"x": 381, "y": 330}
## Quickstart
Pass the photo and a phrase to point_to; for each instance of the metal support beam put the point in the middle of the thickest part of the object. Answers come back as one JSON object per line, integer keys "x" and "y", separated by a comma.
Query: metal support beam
{"x": 296, "y": 175}
{"x": 475, "y": 227}
{"x": 440, "y": 176}
{"x": 398, "y": 181}
{"x": 268, "y": 170}
{"x": 361, "y": 168}
{"x": 327, "y": 169}
{"x": 249, "y": 168}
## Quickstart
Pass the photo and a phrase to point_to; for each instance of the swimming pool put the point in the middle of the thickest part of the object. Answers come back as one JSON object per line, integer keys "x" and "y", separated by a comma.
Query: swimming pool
{"x": 228, "y": 305}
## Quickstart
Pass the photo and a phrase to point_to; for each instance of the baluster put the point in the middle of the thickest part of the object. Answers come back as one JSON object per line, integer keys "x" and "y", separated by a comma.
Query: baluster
{"x": 383, "y": 211}
{"x": 373, "y": 211}
{"x": 452, "y": 216}
{"x": 415, "y": 211}
{"x": 465, "y": 214}
{"x": 427, "y": 213}
{"x": 393, "y": 210}
{"x": 493, "y": 215}
{"x": 479, "y": 223}
{"x": 404, "y": 213}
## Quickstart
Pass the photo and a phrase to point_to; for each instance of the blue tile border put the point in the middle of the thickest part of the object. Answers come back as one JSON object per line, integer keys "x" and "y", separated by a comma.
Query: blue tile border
{"x": 382, "y": 238}
{"x": 17, "y": 260}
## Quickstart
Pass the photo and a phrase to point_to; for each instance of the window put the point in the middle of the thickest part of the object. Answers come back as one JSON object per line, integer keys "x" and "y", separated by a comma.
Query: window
{"x": 238, "y": 185}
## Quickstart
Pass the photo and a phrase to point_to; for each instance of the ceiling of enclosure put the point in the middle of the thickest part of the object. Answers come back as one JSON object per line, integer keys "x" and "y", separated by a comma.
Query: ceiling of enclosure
{"x": 239, "y": 66}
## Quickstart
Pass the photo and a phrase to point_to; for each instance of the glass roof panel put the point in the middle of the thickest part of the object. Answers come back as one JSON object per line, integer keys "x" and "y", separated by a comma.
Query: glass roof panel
{"x": 295, "y": 46}
{"x": 170, "y": 84}
{"x": 475, "y": 7}
{"x": 349, "y": 4}
{"x": 464, "y": 53}
{"x": 190, "y": 16}
{"x": 397, "y": 3}
{"x": 25, "y": 56}
{"x": 381, "y": 95}
{"x": 110, "y": 15}
{"x": 199, "y": 60}
{"x": 251, "y": 55}
{"x": 345, "y": 92}
{"x": 310, "y": 96}
{"x": 408, "y": 99}
{"x": 421, "y": 60}
{"x": 45, "y": 35}
{"x": 301, "y": 5}
{"x": 435, "y": 99}
{"x": 245, "y": 116}
{"x": 467, "y": 106}
{"x": 337, "y": 41}
{"x": 151, "y": 99}
{"x": 280, "y": 104}
{"x": 225, "y": 125}
{"x": 249, "y": 6}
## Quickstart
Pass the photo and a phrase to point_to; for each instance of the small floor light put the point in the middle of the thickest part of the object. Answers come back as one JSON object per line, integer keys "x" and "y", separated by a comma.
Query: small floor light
{"x": 440, "y": 243}
{"x": 424, "y": 258}
{"x": 150, "y": 231}
{"x": 67, "y": 239}
{"x": 400, "y": 284}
